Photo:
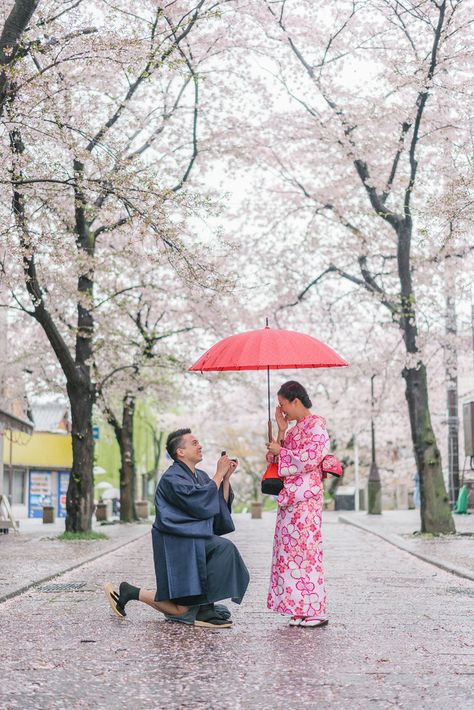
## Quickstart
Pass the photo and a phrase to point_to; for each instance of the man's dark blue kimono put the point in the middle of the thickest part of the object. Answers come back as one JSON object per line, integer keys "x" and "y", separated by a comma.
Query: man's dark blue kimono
{"x": 193, "y": 564}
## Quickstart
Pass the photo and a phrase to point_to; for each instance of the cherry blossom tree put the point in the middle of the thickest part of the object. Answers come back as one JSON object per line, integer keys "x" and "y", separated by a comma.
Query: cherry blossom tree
{"x": 372, "y": 116}
{"x": 99, "y": 137}
{"x": 142, "y": 356}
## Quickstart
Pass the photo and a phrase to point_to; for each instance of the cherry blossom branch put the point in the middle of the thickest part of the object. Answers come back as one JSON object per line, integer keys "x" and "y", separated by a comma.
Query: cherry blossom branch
{"x": 111, "y": 227}
{"x": 48, "y": 20}
{"x": 111, "y": 374}
{"x": 114, "y": 295}
{"x": 194, "y": 76}
{"x": 37, "y": 45}
{"x": 151, "y": 64}
{"x": 20, "y": 307}
{"x": 165, "y": 118}
{"x": 401, "y": 143}
{"x": 40, "y": 312}
{"x": 360, "y": 165}
{"x": 367, "y": 282}
{"x": 421, "y": 103}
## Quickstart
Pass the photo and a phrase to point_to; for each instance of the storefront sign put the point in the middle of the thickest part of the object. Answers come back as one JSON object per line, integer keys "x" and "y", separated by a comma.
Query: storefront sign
{"x": 40, "y": 493}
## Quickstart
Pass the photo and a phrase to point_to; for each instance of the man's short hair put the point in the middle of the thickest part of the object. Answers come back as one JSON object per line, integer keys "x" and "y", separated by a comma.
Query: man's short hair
{"x": 175, "y": 441}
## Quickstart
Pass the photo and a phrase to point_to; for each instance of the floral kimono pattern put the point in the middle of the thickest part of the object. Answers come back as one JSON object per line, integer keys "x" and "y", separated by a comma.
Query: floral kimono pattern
{"x": 297, "y": 579}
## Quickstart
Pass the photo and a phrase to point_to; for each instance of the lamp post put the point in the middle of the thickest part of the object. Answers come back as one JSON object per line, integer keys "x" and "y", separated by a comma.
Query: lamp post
{"x": 375, "y": 486}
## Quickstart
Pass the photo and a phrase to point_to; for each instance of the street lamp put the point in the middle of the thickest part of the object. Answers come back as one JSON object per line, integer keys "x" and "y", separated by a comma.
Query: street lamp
{"x": 375, "y": 487}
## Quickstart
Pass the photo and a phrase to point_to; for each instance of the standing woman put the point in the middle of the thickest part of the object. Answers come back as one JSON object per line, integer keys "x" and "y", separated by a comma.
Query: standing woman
{"x": 297, "y": 578}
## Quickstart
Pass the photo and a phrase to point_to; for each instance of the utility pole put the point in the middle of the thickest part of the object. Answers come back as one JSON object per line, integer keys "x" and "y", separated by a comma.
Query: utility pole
{"x": 451, "y": 369}
{"x": 3, "y": 361}
{"x": 375, "y": 486}
{"x": 356, "y": 473}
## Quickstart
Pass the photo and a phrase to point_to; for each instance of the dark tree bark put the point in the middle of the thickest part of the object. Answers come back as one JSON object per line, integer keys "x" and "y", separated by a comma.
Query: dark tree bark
{"x": 152, "y": 474}
{"x": 123, "y": 431}
{"x": 10, "y": 43}
{"x": 128, "y": 479}
{"x": 80, "y": 388}
{"x": 435, "y": 510}
{"x": 80, "y": 498}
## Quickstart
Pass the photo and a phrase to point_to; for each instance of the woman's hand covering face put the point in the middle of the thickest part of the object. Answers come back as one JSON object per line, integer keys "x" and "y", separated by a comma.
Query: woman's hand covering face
{"x": 281, "y": 418}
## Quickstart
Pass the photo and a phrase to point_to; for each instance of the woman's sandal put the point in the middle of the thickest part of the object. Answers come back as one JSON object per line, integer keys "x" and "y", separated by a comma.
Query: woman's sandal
{"x": 296, "y": 620}
{"x": 311, "y": 621}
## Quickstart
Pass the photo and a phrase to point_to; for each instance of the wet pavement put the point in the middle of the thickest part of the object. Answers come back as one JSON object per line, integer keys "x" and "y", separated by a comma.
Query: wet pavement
{"x": 452, "y": 552}
{"x": 401, "y": 635}
{"x": 35, "y": 553}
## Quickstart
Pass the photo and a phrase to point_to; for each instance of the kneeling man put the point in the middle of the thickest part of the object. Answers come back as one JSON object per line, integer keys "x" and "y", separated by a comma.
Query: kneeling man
{"x": 194, "y": 566}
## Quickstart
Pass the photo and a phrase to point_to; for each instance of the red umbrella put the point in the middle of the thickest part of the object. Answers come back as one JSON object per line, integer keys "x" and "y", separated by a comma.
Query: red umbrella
{"x": 267, "y": 349}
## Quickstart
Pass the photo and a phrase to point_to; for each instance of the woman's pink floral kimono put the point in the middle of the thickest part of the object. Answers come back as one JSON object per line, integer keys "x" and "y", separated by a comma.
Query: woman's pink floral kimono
{"x": 297, "y": 579}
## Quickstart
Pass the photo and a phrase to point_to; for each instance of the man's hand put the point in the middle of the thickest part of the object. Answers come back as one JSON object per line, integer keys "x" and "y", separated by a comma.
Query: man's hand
{"x": 233, "y": 465}
{"x": 273, "y": 447}
{"x": 223, "y": 465}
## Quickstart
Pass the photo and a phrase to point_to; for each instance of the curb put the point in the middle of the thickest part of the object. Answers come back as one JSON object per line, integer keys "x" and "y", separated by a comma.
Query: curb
{"x": 397, "y": 541}
{"x": 91, "y": 558}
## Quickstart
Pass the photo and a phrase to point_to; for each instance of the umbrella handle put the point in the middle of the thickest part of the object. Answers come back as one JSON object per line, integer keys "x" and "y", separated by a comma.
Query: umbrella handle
{"x": 270, "y": 432}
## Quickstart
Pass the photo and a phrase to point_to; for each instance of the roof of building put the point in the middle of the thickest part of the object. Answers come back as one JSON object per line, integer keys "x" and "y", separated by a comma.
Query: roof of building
{"x": 50, "y": 416}
{"x": 10, "y": 421}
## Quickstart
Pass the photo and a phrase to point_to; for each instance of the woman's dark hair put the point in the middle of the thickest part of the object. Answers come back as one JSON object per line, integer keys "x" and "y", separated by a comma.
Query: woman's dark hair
{"x": 293, "y": 390}
{"x": 175, "y": 441}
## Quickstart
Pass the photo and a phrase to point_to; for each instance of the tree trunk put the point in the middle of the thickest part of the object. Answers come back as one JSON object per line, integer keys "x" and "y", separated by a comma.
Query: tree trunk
{"x": 435, "y": 510}
{"x": 80, "y": 499}
{"x": 436, "y": 515}
{"x": 127, "y": 469}
{"x": 81, "y": 391}
{"x": 10, "y": 40}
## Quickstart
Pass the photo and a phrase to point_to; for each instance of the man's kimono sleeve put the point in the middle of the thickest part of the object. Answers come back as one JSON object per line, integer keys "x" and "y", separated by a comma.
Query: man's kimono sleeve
{"x": 223, "y": 522}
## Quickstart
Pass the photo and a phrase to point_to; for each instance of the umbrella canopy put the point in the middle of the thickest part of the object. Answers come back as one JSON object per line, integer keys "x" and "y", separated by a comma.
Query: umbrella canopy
{"x": 111, "y": 493}
{"x": 103, "y": 486}
{"x": 267, "y": 349}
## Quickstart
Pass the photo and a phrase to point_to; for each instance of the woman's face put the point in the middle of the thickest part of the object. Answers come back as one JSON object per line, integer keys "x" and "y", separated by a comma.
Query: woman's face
{"x": 287, "y": 407}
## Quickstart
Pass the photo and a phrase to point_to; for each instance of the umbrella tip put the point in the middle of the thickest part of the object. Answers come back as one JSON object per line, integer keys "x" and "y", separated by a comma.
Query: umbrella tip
{"x": 266, "y": 323}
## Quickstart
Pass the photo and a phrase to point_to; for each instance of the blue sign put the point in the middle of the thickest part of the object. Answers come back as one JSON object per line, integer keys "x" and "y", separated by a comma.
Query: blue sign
{"x": 95, "y": 433}
{"x": 63, "y": 483}
{"x": 39, "y": 493}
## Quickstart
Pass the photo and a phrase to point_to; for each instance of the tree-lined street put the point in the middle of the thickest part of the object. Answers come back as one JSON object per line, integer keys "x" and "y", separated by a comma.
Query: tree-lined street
{"x": 175, "y": 173}
{"x": 178, "y": 174}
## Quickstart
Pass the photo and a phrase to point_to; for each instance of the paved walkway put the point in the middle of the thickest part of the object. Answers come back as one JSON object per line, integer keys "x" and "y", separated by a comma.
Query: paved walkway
{"x": 401, "y": 635}
{"x": 36, "y": 554}
{"x": 451, "y": 552}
